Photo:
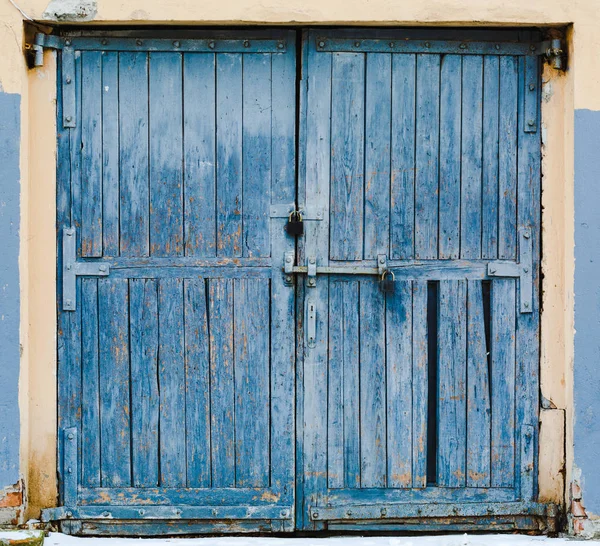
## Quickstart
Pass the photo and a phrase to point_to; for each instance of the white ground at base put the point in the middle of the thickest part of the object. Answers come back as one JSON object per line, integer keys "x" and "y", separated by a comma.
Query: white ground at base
{"x": 58, "y": 539}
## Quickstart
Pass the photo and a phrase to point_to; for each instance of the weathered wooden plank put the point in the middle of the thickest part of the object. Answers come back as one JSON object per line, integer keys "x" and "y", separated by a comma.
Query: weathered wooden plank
{"x": 256, "y": 160}
{"x": 419, "y": 384}
{"x": 282, "y": 315}
{"x": 478, "y": 391}
{"x": 115, "y": 426}
{"x": 427, "y": 156}
{"x": 252, "y": 386}
{"x": 134, "y": 190}
{"x": 199, "y": 126}
{"x": 229, "y": 155}
{"x": 378, "y": 112}
{"x": 315, "y": 186}
{"x": 166, "y": 154}
{"x": 491, "y": 115}
{"x": 503, "y": 310}
{"x": 450, "y": 156}
{"x": 528, "y": 342}
{"x": 110, "y": 153}
{"x": 347, "y": 156}
{"x": 399, "y": 383}
{"x": 471, "y": 155}
{"x": 76, "y": 153}
{"x": 335, "y": 388}
{"x": 91, "y": 154}
{"x": 197, "y": 391}
{"x": 402, "y": 198}
{"x": 220, "y": 303}
{"x": 507, "y": 159}
{"x": 343, "y": 399}
{"x": 145, "y": 395}
{"x": 90, "y": 388}
{"x": 171, "y": 378}
{"x": 373, "y": 441}
{"x": 452, "y": 353}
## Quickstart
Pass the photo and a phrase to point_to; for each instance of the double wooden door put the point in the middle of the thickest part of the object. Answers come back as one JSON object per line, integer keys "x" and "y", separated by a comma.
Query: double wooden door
{"x": 216, "y": 373}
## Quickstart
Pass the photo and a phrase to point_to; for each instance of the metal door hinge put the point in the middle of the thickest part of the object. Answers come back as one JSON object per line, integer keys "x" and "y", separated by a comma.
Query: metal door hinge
{"x": 554, "y": 54}
{"x": 523, "y": 270}
{"x": 42, "y": 41}
{"x": 71, "y": 269}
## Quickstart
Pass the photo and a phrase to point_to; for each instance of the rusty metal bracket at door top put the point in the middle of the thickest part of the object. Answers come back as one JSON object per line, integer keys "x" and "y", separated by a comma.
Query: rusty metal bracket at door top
{"x": 71, "y": 269}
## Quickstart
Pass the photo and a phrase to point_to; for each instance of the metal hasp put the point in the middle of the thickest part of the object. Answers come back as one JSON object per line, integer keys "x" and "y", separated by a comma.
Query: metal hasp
{"x": 71, "y": 269}
{"x": 522, "y": 270}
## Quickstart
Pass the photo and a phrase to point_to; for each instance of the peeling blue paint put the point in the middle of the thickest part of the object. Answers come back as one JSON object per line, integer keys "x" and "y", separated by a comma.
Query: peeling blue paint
{"x": 587, "y": 304}
{"x": 10, "y": 106}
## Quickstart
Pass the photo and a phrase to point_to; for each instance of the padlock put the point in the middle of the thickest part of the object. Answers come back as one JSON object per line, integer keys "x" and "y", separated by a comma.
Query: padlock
{"x": 295, "y": 225}
{"x": 387, "y": 282}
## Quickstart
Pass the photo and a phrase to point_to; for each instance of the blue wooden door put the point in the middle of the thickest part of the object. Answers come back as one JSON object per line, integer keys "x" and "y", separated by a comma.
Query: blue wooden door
{"x": 422, "y": 156}
{"x": 176, "y": 328}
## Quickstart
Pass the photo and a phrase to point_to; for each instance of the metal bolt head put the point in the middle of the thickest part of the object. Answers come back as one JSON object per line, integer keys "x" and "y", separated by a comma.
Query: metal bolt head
{"x": 497, "y": 46}
{"x": 315, "y": 515}
{"x": 104, "y": 41}
{"x": 106, "y": 514}
{"x": 246, "y": 43}
{"x": 526, "y": 234}
{"x": 288, "y": 279}
{"x": 69, "y": 232}
{"x": 321, "y": 44}
{"x": 526, "y": 305}
{"x": 178, "y": 512}
{"x": 69, "y": 514}
{"x": 68, "y": 80}
{"x": 427, "y": 44}
{"x": 102, "y": 268}
{"x": 492, "y": 270}
{"x": 526, "y": 269}
{"x": 176, "y": 43}
{"x": 211, "y": 45}
{"x": 68, "y": 118}
{"x": 70, "y": 436}
{"x": 356, "y": 44}
{"x": 280, "y": 45}
{"x": 531, "y": 86}
{"x": 392, "y": 44}
{"x": 67, "y": 42}
{"x": 463, "y": 46}
{"x": 284, "y": 513}
{"x": 69, "y": 267}
{"x": 138, "y": 42}
{"x": 311, "y": 282}
{"x": 311, "y": 260}
{"x": 141, "y": 512}
{"x": 215, "y": 512}
{"x": 70, "y": 470}
{"x": 532, "y": 47}
{"x": 381, "y": 260}
{"x": 348, "y": 514}
{"x": 288, "y": 259}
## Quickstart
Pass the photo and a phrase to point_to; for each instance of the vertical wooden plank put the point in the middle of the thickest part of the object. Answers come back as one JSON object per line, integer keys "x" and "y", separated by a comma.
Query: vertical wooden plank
{"x": 283, "y": 317}
{"x": 91, "y": 153}
{"x": 171, "y": 378}
{"x": 115, "y": 427}
{"x": 527, "y": 335}
{"x": 427, "y": 156}
{"x": 402, "y": 198}
{"x": 197, "y": 382}
{"x": 199, "y": 124}
{"x": 399, "y": 382}
{"x": 256, "y": 161}
{"x": 372, "y": 386}
{"x": 90, "y": 393}
{"x": 335, "y": 388}
{"x": 316, "y": 188}
{"x": 472, "y": 110}
{"x": 133, "y": 148}
{"x": 222, "y": 382}
{"x": 503, "y": 382}
{"x": 478, "y": 391}
{"x": 347, "y": 156}
{"x": 145, "y": 396}
{"x": 450, "y": 164}
{"x": 76, "y": 153}
{"x": 110, "y": 152}
{"x": 229, "y": 155}
{"x": 343, "y": 435}
{"x": 452, "y": 356}
{"x": 252, "y": 388}
{"x": 419, "y": 383}
{"x": 378, "y": 111}
{"x": 507, "y": 160}
{"x": 491, "y": 114}
{"x": 166, "y": 154}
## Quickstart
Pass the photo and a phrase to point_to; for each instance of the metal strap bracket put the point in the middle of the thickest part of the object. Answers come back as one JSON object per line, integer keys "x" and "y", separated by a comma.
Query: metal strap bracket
{"x": 523, "y": 270}
{"x": 284, "y": 210}
{"x": 71, "y": 269}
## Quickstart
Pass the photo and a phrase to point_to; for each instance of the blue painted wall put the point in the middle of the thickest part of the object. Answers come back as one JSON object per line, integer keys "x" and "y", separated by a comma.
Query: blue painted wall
{"x": 587, "y": 304}
{"x": 9, "y": 287}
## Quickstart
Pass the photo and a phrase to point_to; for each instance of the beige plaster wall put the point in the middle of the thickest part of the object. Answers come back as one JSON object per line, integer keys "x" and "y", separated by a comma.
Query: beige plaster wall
{"x": 578, "y": 88}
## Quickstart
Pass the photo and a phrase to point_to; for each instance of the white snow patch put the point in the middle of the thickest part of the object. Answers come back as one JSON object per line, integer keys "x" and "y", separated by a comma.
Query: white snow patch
{"x": 58, "y": 539}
